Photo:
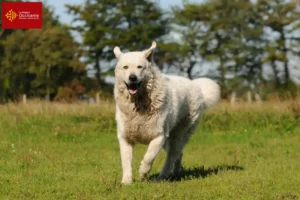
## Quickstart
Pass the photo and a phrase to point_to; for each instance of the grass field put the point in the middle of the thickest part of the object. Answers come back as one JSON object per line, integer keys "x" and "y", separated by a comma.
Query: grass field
{"x": 60, "y": 151}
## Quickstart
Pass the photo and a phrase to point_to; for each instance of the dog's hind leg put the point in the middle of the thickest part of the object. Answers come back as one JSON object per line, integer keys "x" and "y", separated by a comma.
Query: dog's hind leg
{"x": 178, "y": 166}
{"x": 178, "y": 139}
{"x": 174, "y": 152}
{"x": 152, "y": 151}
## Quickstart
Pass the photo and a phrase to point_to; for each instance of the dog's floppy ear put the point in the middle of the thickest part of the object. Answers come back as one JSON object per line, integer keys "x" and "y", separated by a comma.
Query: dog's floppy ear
{"x": 117, "y": 52}
{"x": 149, "y": 52}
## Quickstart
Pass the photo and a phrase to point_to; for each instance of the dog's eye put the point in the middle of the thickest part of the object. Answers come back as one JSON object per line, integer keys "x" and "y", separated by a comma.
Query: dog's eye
{"x": 125, "y": 67}
{"x": 140, "y": 67}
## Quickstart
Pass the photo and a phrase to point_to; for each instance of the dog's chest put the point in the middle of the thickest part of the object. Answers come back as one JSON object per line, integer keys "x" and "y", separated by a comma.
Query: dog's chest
{"x": 142, "y": 129}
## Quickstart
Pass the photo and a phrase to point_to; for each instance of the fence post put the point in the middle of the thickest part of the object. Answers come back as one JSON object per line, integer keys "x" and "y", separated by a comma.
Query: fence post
{"x": 257, "y": 98}
{"x": 98, "y": 97}
{"x": 24, "y": 99}
{"x": 232, "y": 99}
{"x": 249, "y": 97}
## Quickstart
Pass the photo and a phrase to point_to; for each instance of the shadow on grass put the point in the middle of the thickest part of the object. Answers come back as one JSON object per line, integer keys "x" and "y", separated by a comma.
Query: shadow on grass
{"x": 199, "y": 172}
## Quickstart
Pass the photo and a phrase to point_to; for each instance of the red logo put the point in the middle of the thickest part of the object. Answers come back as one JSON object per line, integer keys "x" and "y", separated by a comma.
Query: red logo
{"x": 22, "y": 15}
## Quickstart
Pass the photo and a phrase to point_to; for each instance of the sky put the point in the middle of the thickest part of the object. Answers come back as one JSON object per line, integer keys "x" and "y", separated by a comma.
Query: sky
{"x": 60, "y": 10}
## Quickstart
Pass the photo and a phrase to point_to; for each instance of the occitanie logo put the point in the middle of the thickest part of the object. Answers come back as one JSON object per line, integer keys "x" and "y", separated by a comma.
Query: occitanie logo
{"x": 11, "y": 15}
{"x": 22, "y": 15}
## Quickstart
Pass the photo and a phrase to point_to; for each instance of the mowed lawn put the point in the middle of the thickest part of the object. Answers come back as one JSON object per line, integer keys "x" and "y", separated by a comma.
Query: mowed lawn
{"x": 61, "y": 151}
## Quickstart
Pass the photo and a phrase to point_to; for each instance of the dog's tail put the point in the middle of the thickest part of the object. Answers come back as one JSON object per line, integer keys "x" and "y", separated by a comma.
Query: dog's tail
{"x": 210, "y": 91}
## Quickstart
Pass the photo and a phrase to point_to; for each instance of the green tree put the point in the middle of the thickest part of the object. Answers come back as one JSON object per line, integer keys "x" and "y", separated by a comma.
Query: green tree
{"x": 16, "y": 60}
{"x": 282, "y": 17}
{"x": 56, "y": 61}
{"x": 104, "y": 24}
{"x": 38, "y": 62}
{"x": 224, "y": 31}
{"x": 4, "y": 82}
{"x": 183, "y": 54}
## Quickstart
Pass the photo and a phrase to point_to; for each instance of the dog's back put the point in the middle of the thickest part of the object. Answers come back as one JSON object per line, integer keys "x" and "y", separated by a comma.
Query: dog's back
{"x": 208, "y": 89}
{"x": 189, "y": 97}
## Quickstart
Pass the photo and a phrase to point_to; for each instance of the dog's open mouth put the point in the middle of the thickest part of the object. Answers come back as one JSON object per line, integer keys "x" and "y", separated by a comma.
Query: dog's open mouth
{"x": 133, "y": 87}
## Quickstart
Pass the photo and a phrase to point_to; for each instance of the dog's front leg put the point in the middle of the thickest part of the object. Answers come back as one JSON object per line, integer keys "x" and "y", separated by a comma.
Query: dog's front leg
{"x": 126, "y": 156}
{"x": 152, "y": 151}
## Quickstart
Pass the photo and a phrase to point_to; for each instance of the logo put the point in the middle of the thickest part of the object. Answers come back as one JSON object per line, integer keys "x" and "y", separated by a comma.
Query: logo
{"x": 11, "y": 15}
{"x": 22, "y": 15}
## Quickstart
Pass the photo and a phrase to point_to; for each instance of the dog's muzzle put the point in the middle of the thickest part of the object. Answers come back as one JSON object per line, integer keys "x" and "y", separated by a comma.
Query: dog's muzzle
{"x": 133, "y": 87}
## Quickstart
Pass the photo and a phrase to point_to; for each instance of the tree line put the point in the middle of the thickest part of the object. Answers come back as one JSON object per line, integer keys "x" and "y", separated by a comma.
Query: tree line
{"x": 244, "y": 45}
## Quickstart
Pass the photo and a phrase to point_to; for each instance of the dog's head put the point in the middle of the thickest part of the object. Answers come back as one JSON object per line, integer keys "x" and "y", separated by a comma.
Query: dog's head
{"x": 133, "y": 67}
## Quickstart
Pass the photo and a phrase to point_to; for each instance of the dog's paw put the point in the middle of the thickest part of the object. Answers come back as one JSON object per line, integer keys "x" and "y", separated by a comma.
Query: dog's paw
{"x": 161, "y": 178}
{"x": 144, "y": 170}
{"x": 126, "y": 180}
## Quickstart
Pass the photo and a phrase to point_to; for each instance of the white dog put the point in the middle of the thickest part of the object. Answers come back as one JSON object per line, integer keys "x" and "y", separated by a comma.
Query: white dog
{"x": 156, "y": 109}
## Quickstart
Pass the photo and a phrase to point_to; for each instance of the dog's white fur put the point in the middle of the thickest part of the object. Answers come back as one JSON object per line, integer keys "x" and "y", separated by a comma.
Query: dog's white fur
{"x": 163, "y": 113}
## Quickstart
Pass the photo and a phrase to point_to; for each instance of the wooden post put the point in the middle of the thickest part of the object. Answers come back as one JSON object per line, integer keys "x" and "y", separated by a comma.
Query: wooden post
{"x": 47, "y": 85}
{"x": 98, "y": 97}
{"x": 249, "y": 97}
{"x": 232, "y": 99}
{"x": 257, "y": 98}
{"x": 24, "y": 99}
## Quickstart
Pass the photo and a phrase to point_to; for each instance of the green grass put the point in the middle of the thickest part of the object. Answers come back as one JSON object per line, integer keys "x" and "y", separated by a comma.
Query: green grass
{"x": 57, "y": 151}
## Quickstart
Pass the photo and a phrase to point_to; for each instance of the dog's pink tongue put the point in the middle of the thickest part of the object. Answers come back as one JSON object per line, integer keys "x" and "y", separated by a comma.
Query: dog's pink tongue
{"x": 132, "y": 91}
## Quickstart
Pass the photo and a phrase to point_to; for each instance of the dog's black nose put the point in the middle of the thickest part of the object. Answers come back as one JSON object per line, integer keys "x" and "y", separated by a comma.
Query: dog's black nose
{"x": 132, "y": 78}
